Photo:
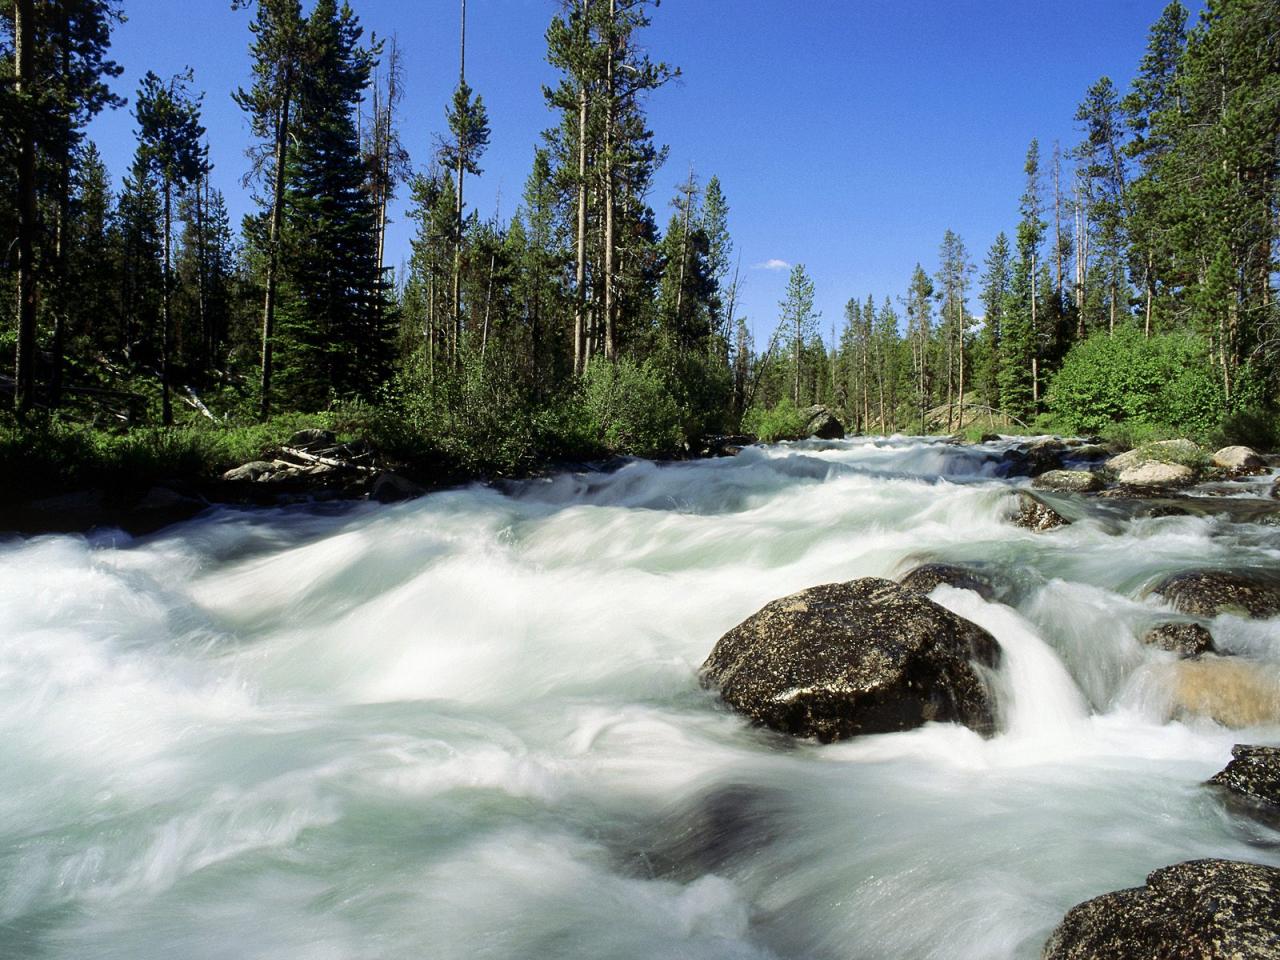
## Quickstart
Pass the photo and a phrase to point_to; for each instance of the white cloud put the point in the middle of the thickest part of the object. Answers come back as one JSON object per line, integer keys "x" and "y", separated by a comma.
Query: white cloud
{"x": 774, "y": 264}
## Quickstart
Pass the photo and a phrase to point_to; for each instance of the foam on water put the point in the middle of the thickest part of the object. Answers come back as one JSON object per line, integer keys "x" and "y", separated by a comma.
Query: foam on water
{"x": 470, "y": 725}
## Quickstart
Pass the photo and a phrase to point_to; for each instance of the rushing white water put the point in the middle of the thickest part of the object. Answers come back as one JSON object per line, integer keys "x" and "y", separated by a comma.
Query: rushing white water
{"x": 470, "y": 726}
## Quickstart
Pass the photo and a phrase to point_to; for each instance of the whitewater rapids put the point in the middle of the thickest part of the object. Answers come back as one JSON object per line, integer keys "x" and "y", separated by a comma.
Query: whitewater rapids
{"x": 470, "y": 726}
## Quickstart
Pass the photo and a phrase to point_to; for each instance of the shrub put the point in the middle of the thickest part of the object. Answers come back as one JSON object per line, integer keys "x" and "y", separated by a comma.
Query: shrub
{"x": 1127, "y": 378}
{"x": 783, "y": 421}
{"x": 629, "y": 409}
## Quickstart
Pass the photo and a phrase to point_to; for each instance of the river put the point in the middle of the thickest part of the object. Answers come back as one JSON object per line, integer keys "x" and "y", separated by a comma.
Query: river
{"x": 470, "y": 726}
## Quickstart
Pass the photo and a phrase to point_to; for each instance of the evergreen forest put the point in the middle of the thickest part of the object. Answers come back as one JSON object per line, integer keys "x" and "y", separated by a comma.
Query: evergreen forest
{"x": 1133, "y": 291}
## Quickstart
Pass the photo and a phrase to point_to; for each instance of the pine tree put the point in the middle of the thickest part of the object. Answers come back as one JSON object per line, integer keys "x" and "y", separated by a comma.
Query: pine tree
{"x": 919, "y": 333}
{"x": 468, "y": 137}
{"x": 1020, "y": 332}
{"x": 799, "y": 320}
{"x": 170, "y": 145}
{"x": 278, "y": 67}
{"x": 995, "y": 295}
{"x": 1153, "y": 110}
{"x": 1102, "y": 171}
{"x": 335, "y": 337}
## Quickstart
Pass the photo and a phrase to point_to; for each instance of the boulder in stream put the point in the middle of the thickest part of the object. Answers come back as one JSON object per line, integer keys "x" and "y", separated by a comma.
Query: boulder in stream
{"x": 924, "y": 578}
{"x": 1154, "y": 473}
{"x": 1231, "y": 691}
{"x": 1185, "y": 639}
{"x": 1068, "y": 481}
{"x": 822, "y": 423}
{"x": 843, "y": 659}
{"x": 1254, "y": 772}
{"x": 1034, "y": 514}
{"x": 1162, "y": 451}
{"x": 1238, "y": 459}
{"x": 1207, "y": 593}
{"x": 1198, "y": 910}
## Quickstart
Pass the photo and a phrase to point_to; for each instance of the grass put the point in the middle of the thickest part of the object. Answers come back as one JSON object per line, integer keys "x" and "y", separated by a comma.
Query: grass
{"x": 51, "y": 457}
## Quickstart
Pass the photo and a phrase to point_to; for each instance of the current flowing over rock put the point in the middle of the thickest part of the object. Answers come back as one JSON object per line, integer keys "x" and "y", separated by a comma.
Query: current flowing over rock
{"x": 843, "y": 659}
{"x": 471, "y": 724}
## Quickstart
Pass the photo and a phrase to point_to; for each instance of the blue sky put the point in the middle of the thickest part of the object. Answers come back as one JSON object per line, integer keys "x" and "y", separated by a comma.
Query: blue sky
{"x": 848, "y": 135}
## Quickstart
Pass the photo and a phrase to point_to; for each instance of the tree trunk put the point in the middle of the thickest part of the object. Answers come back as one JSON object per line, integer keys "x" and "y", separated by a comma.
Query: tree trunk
{"x": 206, "y": 335}
{"x": 457, "y": 248}
{"x": 24, "y": 366}
{"x": 58, "y": 297}
{"x": 580, "y": 275}
{"x": 1035, "y": 341}
{"x": 166, "y": 319}
{"x": 610, "y": 332}
{"x": 273, "y": 243}
{"x": 1057, "y": 220}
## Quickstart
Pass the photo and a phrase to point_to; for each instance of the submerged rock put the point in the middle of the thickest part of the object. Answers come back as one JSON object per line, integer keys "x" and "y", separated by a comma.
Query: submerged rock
{"x": 1184, "y": 639}
{"x": 1231, "y": 691}
{"x": 1253, "y": 772}
{"x": 1198, "y": 910}
{"x": 822, "y": 423}
{"x": 843, "y": 659}
{"x": 392, "y": 488}
{"x": 1034, "y": 514}
{"x": 1207, "y": 593}
{"x": 924, "y": 578}
{"x": 1068, "y": 481}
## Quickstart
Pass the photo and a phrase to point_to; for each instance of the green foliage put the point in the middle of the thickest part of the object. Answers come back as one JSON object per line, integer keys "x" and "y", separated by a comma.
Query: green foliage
{"x": 782, "y": 421}
{"x": 1255, "y": 427}
{"x": 48, "y": 458}
{"x": 630, "y": 409}
{"x": 1128, "y": 378}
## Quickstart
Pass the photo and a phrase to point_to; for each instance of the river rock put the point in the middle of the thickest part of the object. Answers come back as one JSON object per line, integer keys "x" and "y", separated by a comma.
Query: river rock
{"x": 822, "y": 423}
{"x": 1239, "y": 459}
{"x": 1231, "y": 691}
{"x": 252, "y": 471}
{"x": 392, "y": 488}
{"x": 1153, "y": 473}
{"x": 924, "y": 578}
{"x": 1162, "y": 451}
{"x": 1034, "y": 514}
{"x": 843, "y": 659}
{"x": 1184, "y": 639}
{"x": 1207, "y": 593}
{"x": 1198, "y": 910}
{"x": 1088, "y": 451}
{"x": 1253, "y": 772}
{"x": 1068, "y": 481}
{"x": 313, "y": 438}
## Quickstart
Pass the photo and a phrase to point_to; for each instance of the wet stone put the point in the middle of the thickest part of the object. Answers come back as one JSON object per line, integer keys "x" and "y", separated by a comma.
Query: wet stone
{"x": 1207, "y": 593}
{"x": 843, "y": 659}
{"x": 1198, "y": 910}
{"x": 1254, "y": 772}
{"x": 1184, "y": 639}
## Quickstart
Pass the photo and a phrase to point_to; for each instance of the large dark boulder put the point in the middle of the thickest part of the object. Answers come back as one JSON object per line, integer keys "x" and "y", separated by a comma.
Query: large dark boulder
{"x": 843, "y": 659}
{"x": 822, "y": 423}
{"x": 924, "y": 578}
{"x": 1254, "y": 772}
{"x": 1206, "y": 593}
{"x": 1198, "y": 910}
